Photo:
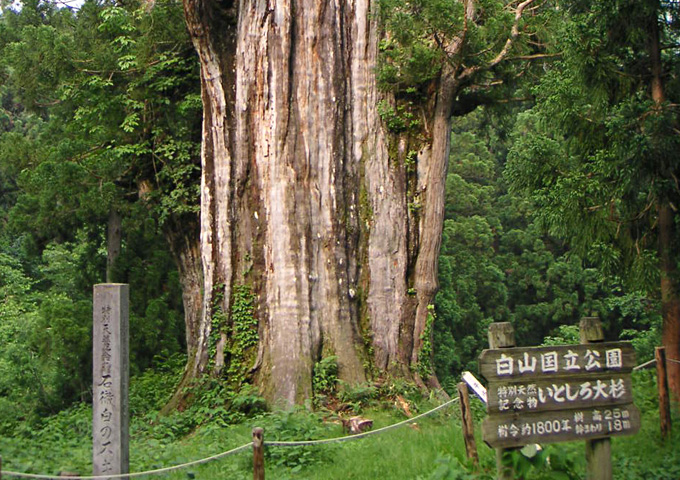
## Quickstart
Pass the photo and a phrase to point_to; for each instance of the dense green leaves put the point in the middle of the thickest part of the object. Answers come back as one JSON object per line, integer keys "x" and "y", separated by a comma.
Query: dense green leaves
{"x": 498, "y": 263}
{"x": 595, "y": 153}
{"x": 100, "y": 112}
{"x": 483, "y": 44}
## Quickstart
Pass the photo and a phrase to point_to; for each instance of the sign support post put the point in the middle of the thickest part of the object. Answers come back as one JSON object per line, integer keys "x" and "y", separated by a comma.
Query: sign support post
{"x": 502, "y": 335}
{"x": 110, "y": 379}
{"x": 599, "y": 451}
{"x": 467, "y": 423}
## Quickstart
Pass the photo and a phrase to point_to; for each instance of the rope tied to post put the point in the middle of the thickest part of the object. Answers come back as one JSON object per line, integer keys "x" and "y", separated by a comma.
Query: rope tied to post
{"x": 653, "y": 362}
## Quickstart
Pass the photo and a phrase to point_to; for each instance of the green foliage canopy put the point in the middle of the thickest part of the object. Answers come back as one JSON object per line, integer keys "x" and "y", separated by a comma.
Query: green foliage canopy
{"x": 100, "y": 111}
{"x": 596, "y": 154}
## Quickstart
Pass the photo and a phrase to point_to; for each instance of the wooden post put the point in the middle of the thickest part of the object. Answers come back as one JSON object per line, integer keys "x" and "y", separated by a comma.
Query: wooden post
{"x": 258, "y": 453}
{"x": 598, "y": 452}
{"x": 468, "y": 425}
{"x": 590, "y": 330}
{"x": 502, "y": 335}
{"x": 664, "y": 400}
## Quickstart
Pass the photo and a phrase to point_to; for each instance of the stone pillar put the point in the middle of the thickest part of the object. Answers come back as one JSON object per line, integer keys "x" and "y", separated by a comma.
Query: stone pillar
{"x": 110, "y": 379}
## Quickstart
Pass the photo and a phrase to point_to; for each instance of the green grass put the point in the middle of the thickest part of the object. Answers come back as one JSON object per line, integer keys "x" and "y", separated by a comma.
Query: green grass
{"x": 431, "y": 450}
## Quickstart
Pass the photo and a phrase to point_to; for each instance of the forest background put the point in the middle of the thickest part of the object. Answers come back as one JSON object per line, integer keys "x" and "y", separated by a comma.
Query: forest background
{"x": 550, "y": 213}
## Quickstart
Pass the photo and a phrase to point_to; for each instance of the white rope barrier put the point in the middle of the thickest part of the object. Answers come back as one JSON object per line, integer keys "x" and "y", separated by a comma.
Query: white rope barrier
{"x": 134, "y": 474}
{"x": 231, "y": 452}
{"x": 653, "y": 361}
{"x": 645, "y": 365}
{"x": 358, "y": 435}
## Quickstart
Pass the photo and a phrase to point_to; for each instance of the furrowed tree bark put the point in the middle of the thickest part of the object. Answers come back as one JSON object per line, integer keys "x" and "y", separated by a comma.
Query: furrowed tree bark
{"x": 432, "y": 169}
{"x": 298, "y": 198}
{"x": 382, "y": 210}
{"x": 216, "y": 56}
{"x": 291, "y": 106}
{"x": 305, "y": 194}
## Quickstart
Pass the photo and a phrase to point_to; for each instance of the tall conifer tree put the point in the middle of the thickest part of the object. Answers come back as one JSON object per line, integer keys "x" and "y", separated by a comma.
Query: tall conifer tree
{"x": 599, "y": 152}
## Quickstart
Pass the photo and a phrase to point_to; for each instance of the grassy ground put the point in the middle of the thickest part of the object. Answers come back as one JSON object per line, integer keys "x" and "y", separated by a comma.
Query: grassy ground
{"x": 432, "y": 449}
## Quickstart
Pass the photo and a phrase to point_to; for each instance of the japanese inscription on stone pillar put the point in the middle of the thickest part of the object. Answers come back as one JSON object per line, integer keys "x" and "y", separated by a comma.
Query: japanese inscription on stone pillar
{"x": 110, "y": 379}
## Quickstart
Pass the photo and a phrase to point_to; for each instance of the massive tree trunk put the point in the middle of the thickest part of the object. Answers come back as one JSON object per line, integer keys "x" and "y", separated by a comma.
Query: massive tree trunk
{"x": 305, "y": 195}
{"x": 309, "y": 202}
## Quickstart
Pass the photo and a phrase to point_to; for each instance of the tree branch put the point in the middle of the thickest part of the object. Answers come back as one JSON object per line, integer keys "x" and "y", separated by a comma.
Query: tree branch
{"x": 78, "y": 159}
{"x": 514, "y": 33}
{"x": 48, "y": 104}
{"x": 536, "y": 56}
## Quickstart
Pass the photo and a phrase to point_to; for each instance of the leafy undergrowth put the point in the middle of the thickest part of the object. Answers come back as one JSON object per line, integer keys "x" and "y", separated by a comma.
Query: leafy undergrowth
{"x": 431, "y": 449}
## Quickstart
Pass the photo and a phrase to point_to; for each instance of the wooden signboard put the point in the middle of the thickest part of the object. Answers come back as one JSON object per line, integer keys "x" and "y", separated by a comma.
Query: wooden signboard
{"x": 558, "y": 393}
{"x": 556, "y": 361}
{"x": 555, "y": 393}
{"x": 517, "y": 429}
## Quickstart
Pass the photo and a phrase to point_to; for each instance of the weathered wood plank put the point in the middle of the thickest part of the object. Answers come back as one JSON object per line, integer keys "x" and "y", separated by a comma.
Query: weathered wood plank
{"x": 598, "y": 459}
{"x": 501, "y": 335}
{"x": 590, "y": 330}
{"x": 549, "y": 393}
{"x": 258, "y": 453}
{"x": 467, "y": 423}
{"x": 599, "y": 450}
{"x": 561, "y": 360}
{"x": 514, "y": 430}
